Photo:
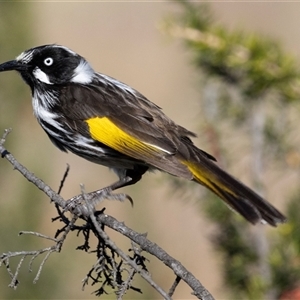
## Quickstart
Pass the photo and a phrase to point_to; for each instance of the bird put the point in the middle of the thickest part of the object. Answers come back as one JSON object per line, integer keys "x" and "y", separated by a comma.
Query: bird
{"x": 110, "y": 123}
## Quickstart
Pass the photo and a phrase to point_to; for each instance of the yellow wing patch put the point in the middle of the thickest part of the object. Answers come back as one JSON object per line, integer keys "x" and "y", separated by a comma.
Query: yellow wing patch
{"x": 106, "y": 132}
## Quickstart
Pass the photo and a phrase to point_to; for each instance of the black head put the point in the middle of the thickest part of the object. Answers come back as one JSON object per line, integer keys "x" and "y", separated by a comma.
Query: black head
{"x": 50, "y": 65}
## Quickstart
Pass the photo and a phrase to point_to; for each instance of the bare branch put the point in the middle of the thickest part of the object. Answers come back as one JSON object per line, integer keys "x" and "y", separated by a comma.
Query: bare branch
{"x": 154, "y": 249}
{"x": 95, "y": 222}
{"x": 129, "y": 261}
{"x": 5, "y": 257}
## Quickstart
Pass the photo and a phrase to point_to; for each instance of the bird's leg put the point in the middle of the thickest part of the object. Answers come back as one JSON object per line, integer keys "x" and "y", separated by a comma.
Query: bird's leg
{"x": 106, "y": 192}
{"x": 101, "y": 194}
{"x": 131, "y": 177}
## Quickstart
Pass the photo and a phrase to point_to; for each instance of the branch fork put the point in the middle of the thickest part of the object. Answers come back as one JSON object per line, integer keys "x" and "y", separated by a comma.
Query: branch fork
{"x": 112, "y": 262}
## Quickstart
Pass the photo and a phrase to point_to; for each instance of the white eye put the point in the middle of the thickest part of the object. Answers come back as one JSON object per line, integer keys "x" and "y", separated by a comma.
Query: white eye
{"x": 48, "y": 61}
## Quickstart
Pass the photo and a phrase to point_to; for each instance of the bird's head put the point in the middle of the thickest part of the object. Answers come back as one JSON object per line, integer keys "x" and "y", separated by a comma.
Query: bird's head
{"x": 50, "y": 65}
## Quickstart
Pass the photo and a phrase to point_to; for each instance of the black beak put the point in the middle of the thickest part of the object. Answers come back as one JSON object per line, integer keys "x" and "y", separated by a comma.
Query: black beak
{"x": 13, "y": 65}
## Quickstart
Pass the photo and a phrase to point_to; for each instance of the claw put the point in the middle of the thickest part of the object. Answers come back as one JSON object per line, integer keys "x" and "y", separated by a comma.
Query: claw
{"x": 107, "y": 193}
{"x": 120, "y": 197}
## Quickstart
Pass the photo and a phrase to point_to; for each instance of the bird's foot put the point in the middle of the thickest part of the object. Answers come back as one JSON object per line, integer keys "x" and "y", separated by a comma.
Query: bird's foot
{"x": 91, "y": 199}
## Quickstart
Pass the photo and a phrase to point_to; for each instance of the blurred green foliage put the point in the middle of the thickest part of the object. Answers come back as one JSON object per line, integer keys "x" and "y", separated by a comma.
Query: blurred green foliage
{"x": 256, "y": 64}
{"x": 245, "y": 76}
{"x": 285, "y": 255}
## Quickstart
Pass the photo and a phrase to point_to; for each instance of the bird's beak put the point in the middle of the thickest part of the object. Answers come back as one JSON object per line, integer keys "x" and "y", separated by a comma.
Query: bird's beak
{"x": 13, "y": 65}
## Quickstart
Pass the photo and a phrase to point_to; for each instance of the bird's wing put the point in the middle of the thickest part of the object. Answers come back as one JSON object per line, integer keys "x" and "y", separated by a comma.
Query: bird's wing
{"x": 124, "y": 120}
{"x": 127, "y": 122}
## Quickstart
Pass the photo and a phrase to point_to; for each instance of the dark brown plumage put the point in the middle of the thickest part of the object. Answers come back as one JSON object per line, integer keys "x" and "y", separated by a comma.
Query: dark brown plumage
{"x": 110, "y": 123}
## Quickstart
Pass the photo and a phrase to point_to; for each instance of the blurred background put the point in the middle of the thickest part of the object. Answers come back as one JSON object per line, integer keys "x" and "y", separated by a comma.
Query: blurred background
{"x": 123, "y": 40}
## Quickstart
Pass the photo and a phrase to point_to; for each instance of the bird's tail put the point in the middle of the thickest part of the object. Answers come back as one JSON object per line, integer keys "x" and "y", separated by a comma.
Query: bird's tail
{"x": 238, "y": 196}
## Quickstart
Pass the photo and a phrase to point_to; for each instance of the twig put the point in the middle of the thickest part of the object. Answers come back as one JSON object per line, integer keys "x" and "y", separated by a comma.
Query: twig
{"x": 38, "y": 235}
{"x": 61, "y": 215}
{"x": 129, "y": 261}
{"x": 37, "y": 277}
{"x": 126, "y": 284}
{"x": 3, "y": 151}
{"x": 62, "y": 182}
{"x": 174, "y": 286}
{"x": 5, "y": 257}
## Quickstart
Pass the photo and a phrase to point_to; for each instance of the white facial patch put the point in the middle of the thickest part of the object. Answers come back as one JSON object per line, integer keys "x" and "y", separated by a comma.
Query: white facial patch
{"x": 41, "y": 76}
{"x": 25, "y": 56}
{"x": 83, "y": 73}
